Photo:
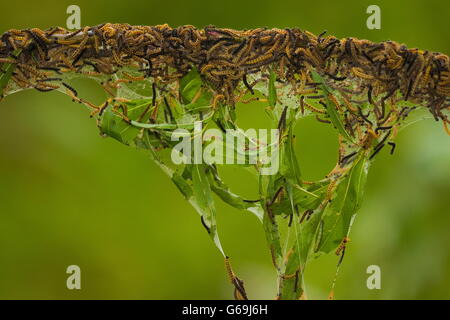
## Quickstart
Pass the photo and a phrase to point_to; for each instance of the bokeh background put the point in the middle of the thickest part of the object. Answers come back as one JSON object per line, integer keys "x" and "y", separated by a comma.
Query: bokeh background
{"x": 68, "y": 196}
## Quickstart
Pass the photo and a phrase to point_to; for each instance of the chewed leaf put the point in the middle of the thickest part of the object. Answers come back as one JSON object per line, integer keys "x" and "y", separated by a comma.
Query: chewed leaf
{"x": 338, "y": 215}
{"x": 300, "y": 253}
{"x": 203, "y": 201}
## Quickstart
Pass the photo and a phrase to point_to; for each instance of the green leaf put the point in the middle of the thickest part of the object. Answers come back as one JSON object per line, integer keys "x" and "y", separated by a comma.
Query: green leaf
{"x": 190, "y": 84}
{"x": 290, "y": 168}
{"x": 202, "y": 104}
{"x": 176, "y": 107}
{"x": 114, "y": 126}
{"x": 305, "y": 198}
{"x": 227, "y": 196}
{"x": 269, "y": 221}
{"x": 332, "y": 109}
{"x": 272, "y": 90}
{"x": 291, "y": 284}
{"x": 182, "y": 185}
{"x": 7, "y": 69}
{"x": 162, "y": 126}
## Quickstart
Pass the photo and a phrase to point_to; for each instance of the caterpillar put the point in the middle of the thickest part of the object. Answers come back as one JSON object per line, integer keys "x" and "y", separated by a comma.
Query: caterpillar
{"x": 227, "y": 57}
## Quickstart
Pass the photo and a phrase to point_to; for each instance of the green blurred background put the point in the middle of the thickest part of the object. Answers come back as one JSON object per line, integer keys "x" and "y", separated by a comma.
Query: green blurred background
{"x": 68, "y": 196}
